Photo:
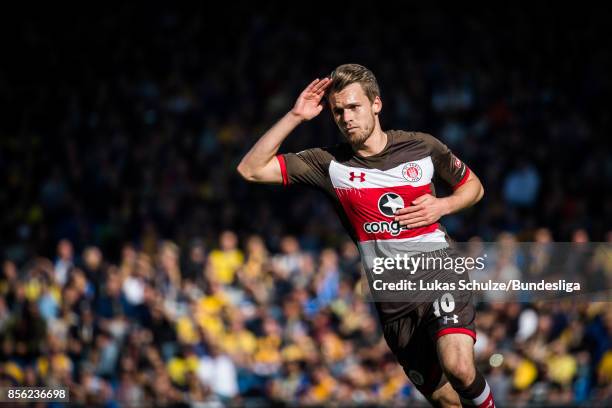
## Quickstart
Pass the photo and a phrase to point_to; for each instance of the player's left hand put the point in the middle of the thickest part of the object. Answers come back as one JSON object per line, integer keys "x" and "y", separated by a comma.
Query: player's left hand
{"x": 425, "y": 210}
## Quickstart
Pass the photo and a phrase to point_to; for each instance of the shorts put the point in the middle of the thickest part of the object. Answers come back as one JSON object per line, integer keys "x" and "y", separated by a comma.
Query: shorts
{"x": 412, "y": 338}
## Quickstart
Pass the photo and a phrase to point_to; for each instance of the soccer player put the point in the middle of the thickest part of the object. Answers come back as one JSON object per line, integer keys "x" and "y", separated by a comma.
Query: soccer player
{"x": 381, "y": 185}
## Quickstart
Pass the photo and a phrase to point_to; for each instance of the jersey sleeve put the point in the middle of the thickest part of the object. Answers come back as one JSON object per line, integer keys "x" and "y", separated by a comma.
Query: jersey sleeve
{"x": 447, "y": 165}
{"x": 308, "y": 167}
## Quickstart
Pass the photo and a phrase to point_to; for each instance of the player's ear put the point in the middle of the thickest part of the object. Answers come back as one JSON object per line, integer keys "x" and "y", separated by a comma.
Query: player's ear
{"x": 377, "y": 105}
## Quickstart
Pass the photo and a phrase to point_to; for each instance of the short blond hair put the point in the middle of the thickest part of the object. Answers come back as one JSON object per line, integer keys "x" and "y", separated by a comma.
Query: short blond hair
{"x": 348, "y": 74}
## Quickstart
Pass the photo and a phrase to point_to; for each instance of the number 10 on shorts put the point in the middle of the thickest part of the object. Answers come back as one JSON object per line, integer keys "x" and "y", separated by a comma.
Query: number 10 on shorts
{"x": 446, "y": 302}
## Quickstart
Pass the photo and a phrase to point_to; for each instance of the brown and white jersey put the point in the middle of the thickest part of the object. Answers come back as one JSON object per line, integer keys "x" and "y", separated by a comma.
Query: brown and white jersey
{"x": 366, "y": 191}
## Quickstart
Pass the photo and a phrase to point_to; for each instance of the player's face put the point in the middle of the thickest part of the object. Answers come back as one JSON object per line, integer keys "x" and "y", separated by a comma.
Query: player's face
{"x": 354, "y": 114}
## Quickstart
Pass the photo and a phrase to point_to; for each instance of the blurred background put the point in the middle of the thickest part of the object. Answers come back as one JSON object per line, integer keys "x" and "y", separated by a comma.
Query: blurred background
{"x": 139, "y": 267}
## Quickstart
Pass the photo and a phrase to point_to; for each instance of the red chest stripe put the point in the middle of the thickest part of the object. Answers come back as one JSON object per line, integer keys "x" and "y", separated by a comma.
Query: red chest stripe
{"x": 370, "y": 211}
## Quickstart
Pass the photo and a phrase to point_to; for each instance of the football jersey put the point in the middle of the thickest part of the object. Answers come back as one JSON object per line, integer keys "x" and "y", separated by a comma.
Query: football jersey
{"x": 367, "y": 191}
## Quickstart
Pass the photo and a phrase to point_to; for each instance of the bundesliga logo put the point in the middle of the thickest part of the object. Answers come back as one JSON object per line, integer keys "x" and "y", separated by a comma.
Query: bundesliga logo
{"x": 412, "y": 172}
{"x": 416, "y": 377}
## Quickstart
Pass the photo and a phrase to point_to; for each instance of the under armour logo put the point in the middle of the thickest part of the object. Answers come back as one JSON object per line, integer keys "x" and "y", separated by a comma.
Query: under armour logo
{"x": 454, "y": 319}
{"x": 360, "y": 176}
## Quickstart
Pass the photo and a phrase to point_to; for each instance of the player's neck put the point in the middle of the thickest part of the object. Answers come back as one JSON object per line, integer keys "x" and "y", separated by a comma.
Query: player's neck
{"x": 374, "y": 144}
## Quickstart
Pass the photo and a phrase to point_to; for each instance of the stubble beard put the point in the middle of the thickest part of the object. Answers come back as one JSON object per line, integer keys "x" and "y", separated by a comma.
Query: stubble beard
{"x": 358, "y": 140}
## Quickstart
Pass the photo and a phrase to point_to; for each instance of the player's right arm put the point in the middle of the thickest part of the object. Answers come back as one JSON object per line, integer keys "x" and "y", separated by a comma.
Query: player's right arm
{"x": 260, "y": 164}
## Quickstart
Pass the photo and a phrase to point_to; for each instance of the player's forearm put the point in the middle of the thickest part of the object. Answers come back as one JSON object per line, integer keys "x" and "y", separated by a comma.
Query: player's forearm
{"x": 465, "y": 196}
{"x": 266, "y": 148}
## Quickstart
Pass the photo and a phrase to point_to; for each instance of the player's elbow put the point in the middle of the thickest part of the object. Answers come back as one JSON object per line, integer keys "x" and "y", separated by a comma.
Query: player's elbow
{"x": 257, "y": 172}
{"x": 480, "y": 193}
{"x": 478, "y": 185}
{"x": 246, "y": 172}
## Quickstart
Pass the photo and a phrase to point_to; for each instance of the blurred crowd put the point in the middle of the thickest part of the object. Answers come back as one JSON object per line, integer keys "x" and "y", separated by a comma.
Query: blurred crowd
{"x": 119, "y": 124}
{"x": 236, "y": 323}
{"x": 120, "y": 137}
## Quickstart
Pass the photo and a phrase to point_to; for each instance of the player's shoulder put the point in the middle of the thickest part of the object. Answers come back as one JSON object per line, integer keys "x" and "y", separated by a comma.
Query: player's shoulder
{"x": 411, "y": 135}
{"x": 415, "y": 138}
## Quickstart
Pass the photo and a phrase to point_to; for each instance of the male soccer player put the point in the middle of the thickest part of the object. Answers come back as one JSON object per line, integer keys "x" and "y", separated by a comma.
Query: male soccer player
{"x": 381, "y": 185}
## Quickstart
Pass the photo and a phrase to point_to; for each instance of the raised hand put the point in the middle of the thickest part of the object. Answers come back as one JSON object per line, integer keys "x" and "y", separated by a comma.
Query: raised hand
{"x": 309, "y": 103}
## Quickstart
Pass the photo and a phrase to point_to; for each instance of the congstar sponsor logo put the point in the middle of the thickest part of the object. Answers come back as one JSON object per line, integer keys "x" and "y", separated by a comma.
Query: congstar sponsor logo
{"x": 388, "y": 204}
{"x": 376, "y": 227}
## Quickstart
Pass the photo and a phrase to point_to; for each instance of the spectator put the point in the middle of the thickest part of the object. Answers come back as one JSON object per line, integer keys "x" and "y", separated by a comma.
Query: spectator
{"x": 64, "y": 261}
{"x": 225, "y": 261}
